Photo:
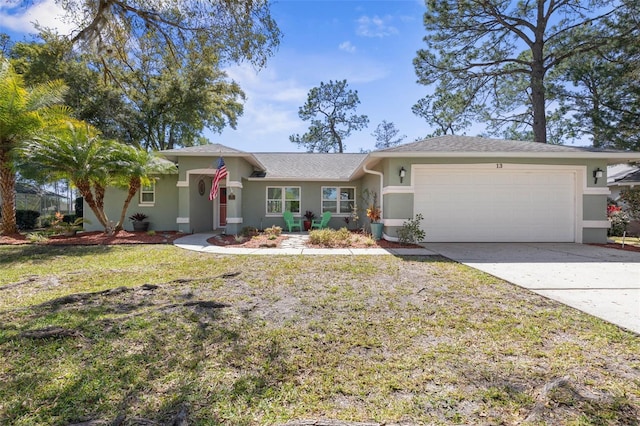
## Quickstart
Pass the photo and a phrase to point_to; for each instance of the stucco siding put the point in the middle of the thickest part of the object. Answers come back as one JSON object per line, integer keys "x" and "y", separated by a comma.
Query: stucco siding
{"x": 162, "y": 214}
{"x": 254, "y": 195}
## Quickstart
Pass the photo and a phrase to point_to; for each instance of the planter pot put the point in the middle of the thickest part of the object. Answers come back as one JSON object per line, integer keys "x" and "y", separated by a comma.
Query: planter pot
{"x": 306, "y": 224}
{"x": 376, "y": 230}
{"x": 140, "y": 226}
{"x": 70, "y": 233}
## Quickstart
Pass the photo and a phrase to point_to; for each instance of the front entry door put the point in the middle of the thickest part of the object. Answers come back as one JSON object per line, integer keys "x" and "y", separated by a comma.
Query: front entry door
{"x": 222, "y": 211}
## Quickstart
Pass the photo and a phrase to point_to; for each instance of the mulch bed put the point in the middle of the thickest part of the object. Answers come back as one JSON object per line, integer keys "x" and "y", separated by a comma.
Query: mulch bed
{"x": 98, "y": 238}
{"x": 617, "y": 246}
{"x": 262, "y": 241}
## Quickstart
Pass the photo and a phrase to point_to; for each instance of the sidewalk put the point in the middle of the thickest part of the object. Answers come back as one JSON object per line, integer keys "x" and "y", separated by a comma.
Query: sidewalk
{"x": 295, "y": 245}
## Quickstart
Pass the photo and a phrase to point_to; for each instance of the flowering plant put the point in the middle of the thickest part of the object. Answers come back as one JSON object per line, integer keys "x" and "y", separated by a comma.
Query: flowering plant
{"x": 373, "y": 211}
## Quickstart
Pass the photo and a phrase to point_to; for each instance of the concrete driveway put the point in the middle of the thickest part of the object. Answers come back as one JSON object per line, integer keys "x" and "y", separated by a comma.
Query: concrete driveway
{"x": 599, "y": 281}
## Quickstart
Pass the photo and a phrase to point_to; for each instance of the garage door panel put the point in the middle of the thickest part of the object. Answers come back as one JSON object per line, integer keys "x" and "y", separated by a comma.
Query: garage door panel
{"x": 501, "y": 206}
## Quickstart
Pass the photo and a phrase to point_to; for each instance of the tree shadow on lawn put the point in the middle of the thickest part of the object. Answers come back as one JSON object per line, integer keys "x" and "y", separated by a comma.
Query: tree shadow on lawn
{"x": 40, "y": 253}
{"x": 122, "y": 356}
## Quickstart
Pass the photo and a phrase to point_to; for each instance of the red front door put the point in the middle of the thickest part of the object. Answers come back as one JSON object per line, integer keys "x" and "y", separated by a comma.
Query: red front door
{"x": 223, "y": 207}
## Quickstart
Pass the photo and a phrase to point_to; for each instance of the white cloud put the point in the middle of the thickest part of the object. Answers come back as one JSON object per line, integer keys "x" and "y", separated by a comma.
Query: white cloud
{"x": 17, "y": 17}
{"x": 375, "y": 27}
{"x": 270, "y": 111}
{"x": 347, "y": 47}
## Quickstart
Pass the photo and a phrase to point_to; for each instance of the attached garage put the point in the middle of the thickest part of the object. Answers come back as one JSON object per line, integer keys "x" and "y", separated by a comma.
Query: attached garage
{"x": 497, "y": 202}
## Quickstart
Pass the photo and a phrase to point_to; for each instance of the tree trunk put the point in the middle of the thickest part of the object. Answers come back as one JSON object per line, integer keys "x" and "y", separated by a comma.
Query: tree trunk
{"x": 538, "y": 72}
{"x": 85, "y": 190}
{"x": 8, "y": 194}
{"x": 134, "y": 185}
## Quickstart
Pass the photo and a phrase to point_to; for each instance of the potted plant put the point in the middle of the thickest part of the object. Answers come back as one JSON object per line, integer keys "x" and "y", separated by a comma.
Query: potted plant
{"x": 308, "y": 218}
{"x": 373, "y": 213}
{"x": 139, "y": 222}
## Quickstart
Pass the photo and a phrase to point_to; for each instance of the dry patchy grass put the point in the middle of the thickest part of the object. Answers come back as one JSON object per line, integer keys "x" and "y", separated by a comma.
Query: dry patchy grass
{"x": 136, "y": 334}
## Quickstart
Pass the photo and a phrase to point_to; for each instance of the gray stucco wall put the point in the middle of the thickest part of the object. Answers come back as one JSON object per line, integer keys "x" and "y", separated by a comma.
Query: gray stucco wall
{"x": 162, "y": 215}
{"x": 254, "y": 195}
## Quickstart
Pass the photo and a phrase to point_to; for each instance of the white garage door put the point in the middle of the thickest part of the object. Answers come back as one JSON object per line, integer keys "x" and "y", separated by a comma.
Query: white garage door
{"x": 495, "y": 205}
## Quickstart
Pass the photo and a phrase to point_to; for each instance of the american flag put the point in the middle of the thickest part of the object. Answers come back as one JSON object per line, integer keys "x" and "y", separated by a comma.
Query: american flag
{"x": 221, "y": 173}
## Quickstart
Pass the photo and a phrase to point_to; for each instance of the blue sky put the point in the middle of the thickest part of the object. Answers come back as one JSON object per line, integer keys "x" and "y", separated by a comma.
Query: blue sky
{"x": 369, "y": 43}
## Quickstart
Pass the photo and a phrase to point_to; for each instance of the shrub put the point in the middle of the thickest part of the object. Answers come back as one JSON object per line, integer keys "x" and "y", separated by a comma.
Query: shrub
{"x": 69, "y": 218}
{"x": 249, "y": 231}
{"x": 27, "y": 219}
{"x": 619, "y": 220}
{"x": 330, "y": 237}
{"x": 274, "y": 231}
{"x": 410, "y": 233}
{"x": 631, "y": 198}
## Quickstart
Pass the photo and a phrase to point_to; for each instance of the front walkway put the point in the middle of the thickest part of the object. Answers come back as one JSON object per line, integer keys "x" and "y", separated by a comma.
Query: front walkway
{"x": 294, "y": 245}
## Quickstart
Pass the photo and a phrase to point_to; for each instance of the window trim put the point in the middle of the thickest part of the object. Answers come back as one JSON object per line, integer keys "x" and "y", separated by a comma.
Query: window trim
{"x": 283, "y": 200}
{"x": 142, "y": 191}
{"x": 339, "y": 188}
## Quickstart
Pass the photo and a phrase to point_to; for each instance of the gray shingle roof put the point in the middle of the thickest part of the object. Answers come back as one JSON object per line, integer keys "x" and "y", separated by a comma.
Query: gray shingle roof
{"x": 213, "y": 148}
{"x": 307, "y": 166}
{"x": 453, "y": 143}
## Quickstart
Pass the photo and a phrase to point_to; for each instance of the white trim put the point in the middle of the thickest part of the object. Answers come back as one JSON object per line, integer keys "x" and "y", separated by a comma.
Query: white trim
{"x": 398, "y": 190}
{"x": 234, "y": 184}
{"x": 283, "y": 199}
{"x": 146, "y": 205}
{"x": 182, "y": 220}
{"x": 596, "y": 191}
{"x": 209, "y": 171}
{"x": 338, "y": 200}
{"x": 596, "y": 224}
{"x": 234, "y": 220}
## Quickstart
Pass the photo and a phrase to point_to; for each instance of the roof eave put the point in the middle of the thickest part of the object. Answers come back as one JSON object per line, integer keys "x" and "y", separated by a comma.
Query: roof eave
{"x": 251, "y": 159}
{"x": 611, "y": 157}
{"x": 297, "y": 179}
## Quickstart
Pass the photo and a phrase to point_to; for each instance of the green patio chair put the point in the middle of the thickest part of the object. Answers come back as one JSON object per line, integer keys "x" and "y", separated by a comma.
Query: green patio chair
{"x": 291, "y": 222}
{"x": 323, "y": 222}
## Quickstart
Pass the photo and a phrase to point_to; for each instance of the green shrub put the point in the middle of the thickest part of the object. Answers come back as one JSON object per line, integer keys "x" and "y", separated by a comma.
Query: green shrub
{"x": 274, "y": 231}
{"x": 619, "y": 221}
{"x": 27, "y": 219}
{"x": 411, "y": 233}
{"x": 249, "y": 231}
{"x": 330, "y": 237}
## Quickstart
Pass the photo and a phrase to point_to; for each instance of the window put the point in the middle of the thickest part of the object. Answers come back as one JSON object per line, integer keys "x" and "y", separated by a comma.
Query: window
{"x": 148, "y": 193}
{"x": 283, "y": 198}
{"x": 338, "y": 200}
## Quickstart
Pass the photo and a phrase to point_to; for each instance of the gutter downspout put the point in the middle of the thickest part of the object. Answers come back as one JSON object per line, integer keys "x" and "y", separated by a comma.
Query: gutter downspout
{"x": 374, "y": 172}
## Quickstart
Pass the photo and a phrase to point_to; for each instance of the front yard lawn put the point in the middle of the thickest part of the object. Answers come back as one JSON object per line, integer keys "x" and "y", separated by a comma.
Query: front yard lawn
{"x": 141, "y": 334}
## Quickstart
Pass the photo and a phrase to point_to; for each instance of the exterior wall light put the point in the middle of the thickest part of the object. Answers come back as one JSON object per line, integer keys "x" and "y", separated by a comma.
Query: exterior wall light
{"x": 403, "y": 173}
{"x": 597, "y": 174}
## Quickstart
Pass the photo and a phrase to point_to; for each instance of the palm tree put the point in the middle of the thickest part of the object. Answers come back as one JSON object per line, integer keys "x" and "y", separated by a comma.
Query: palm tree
{"x": 80, "y": 155}
{"x": 91, "y": 164}
{"x": 136, "y": 169}
{"x": 24, "y": 113}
